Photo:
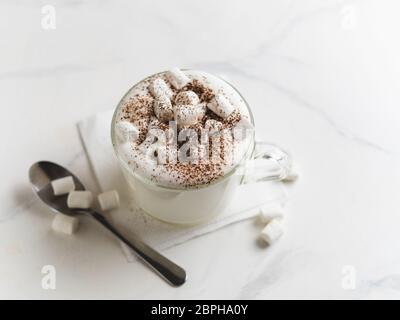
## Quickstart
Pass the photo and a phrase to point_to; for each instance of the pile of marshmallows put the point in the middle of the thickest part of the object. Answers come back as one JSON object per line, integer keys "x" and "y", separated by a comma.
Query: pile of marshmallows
{"x": 187, "y": 110}
{"x": 272, "y": 218}
{"x": 78, "y": 200}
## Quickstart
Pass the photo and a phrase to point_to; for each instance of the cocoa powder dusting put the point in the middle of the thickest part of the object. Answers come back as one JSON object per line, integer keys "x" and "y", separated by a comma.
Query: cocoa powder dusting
{"x": 204, "y": 93}
{"x": 138, "y": 111}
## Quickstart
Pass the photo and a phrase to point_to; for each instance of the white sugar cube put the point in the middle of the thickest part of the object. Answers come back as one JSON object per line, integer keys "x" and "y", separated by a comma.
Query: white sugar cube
{"x": 177, "y": 78}
{"x": 80, "y": 199}
{"x": 108, "y": 200}
{"x": 65, "y": 224}
{"x": 63, "y": 185}
{"x": 269, "y": 212}
{"x": 272, "y": 231}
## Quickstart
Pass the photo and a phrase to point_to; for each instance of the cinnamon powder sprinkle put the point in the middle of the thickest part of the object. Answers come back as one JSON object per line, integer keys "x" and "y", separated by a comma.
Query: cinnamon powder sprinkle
{"x": 138, "y": 111}
{"x": 195, "y": 174}
{"x": 204, "y": 93}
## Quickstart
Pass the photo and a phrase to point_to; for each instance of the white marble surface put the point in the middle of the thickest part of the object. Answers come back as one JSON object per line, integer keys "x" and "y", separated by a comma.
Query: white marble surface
{"x": 323, "y": 80}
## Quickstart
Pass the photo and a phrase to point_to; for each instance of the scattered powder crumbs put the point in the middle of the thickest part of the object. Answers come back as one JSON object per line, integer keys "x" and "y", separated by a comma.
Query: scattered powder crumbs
{"x": 139, "y": 111}
{"x": 191, "y": 175}
{"x": 232, "y": 120}
{"x": 205, "y": 94}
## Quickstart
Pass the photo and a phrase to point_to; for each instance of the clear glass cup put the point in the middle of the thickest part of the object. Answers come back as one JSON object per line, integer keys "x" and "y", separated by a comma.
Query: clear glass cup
{"x": 192, "y": 205}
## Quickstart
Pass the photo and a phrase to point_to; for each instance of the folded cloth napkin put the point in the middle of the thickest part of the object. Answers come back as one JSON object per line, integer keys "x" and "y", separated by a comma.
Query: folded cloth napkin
{"x": 95, "y": 134}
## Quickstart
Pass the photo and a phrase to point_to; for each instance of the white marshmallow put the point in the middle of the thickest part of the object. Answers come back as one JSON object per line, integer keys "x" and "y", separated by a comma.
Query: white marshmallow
{"x": 65, "y": 224}
{"x": 80, "y": 199}
{"x": 159, "y": 88}
{"x": 272, "y": 232}
{"x": 163, "y": 109}
{"x": 213, "y": 126}
{"x": 243, "y": 129}
{"x": 177, "y": 78}
{"x": 269, "y": 212}
{"x": 108, "y": 200}
{"x": 221, "y": 106}
{"x": 63, "y": 185}
{"x": 126, "y": 131}
{"x": 293, "y": 174}
{"x": 186, "y": 115}
{"x": 187, "y": 98}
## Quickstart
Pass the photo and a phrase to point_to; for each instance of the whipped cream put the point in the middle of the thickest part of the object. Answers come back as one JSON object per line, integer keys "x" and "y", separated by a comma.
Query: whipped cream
{"x": 184, "y": 128}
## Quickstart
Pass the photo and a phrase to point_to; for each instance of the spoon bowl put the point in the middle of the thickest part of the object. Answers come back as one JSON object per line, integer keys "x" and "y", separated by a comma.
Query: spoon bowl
{"x": 43, "y": 172}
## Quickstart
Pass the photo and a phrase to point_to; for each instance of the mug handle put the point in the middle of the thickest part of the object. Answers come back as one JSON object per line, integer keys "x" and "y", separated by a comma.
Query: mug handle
{"x": 268, "y": 163}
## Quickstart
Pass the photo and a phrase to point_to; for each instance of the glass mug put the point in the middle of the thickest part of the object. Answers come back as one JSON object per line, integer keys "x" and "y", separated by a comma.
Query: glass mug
{"x": 193, "y": 205}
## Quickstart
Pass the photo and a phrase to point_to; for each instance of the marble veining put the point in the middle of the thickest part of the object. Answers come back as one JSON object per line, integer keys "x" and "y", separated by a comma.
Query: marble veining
{"x": 322, "y": 80}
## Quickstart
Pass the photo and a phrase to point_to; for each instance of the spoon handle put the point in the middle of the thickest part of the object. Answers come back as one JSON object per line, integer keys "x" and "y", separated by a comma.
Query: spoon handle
{"x": 163, "y": 266}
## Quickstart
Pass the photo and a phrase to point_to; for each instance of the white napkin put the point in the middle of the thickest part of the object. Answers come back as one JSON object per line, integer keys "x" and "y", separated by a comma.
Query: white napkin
{"x": 95, "y": 134}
